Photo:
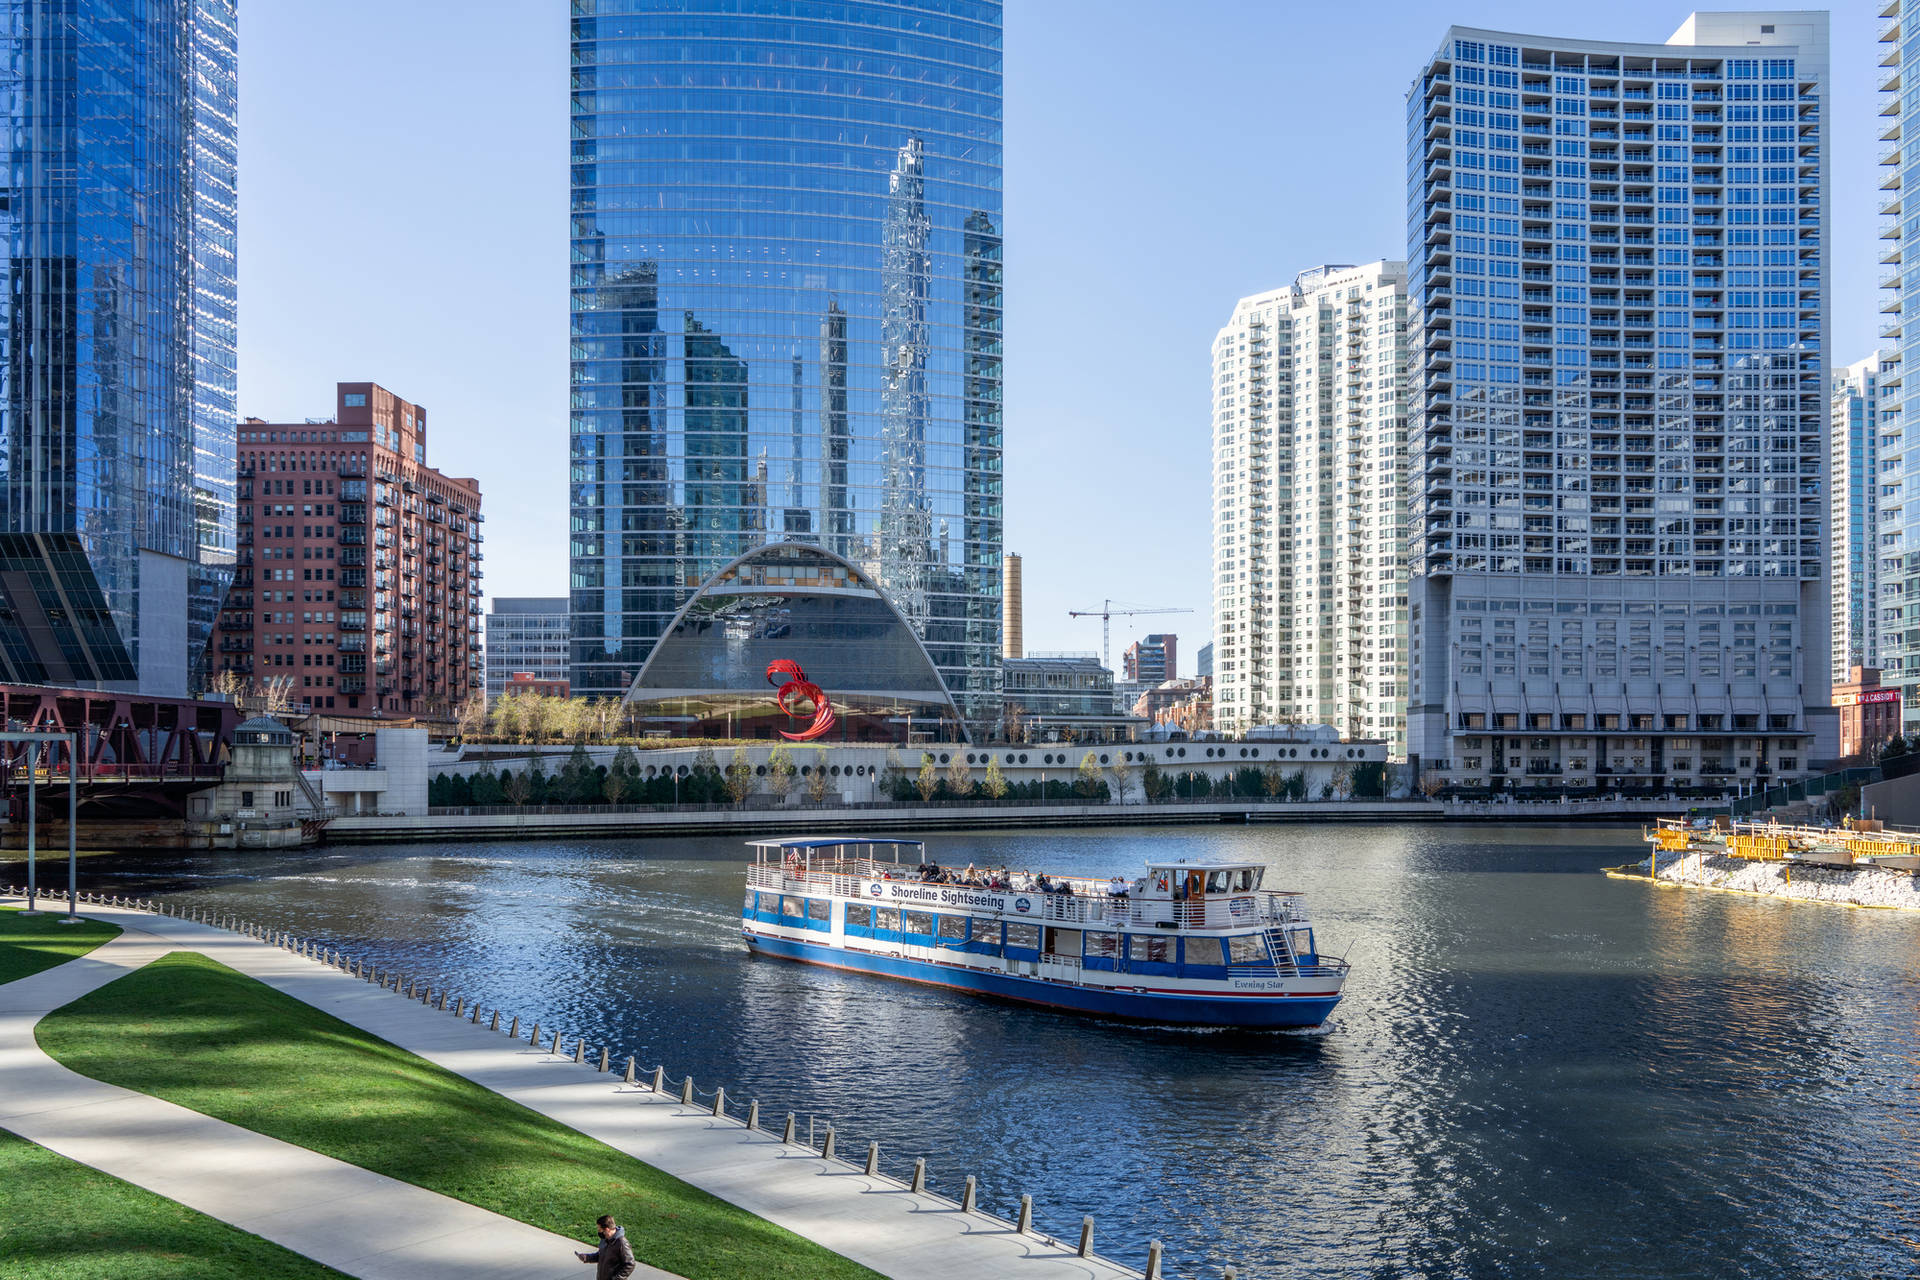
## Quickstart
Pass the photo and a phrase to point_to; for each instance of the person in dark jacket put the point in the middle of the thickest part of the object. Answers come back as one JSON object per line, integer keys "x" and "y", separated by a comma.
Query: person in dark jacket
{"x": 614, "y": 1255}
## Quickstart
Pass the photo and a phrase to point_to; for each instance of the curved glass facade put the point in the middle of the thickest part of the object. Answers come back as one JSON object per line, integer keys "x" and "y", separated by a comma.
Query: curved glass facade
{"x": 708, "y": 675}
{"x": 786, "y": 312}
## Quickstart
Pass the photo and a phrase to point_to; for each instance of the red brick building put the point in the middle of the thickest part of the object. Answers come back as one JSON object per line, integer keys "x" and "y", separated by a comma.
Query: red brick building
{"x": 358, "y": 570}
{"x": 528, "y": 682}
{"x": 1869, "y": 712}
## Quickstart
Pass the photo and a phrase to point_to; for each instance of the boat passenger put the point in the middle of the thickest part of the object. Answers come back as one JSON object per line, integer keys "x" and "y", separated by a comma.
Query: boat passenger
{"x": 1116, "y": 888}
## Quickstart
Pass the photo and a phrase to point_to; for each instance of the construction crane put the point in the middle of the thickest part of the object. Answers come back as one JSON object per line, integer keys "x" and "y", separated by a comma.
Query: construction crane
{"x": 1106, "y": 613}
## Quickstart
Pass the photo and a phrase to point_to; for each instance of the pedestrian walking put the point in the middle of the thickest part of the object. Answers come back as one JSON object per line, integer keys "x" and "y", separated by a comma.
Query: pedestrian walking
{"x": 614, "y": 1255}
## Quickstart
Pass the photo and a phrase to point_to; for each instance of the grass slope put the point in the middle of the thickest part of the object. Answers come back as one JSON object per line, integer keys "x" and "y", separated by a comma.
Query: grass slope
{"x": 61, "y": 1220}
{"x": 29, "y": 944}
{"x": 195, "y": 1032}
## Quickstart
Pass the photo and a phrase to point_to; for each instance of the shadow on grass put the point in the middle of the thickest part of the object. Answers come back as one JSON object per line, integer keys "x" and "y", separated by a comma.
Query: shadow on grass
{"x": 30, "y": 944}
{"x": 196, "y": 1033}
{"x": 60, "y": 1220}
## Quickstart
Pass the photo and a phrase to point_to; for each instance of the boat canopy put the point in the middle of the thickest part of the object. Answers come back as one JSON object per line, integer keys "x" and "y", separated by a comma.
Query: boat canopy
{"x": 1202, "y": 876}
{"x": 870, "y": 847}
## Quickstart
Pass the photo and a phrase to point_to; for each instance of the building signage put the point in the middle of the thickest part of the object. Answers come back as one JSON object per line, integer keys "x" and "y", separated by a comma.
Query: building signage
{"x": 1866, "y": 698}
{"x": 911, "y": 894}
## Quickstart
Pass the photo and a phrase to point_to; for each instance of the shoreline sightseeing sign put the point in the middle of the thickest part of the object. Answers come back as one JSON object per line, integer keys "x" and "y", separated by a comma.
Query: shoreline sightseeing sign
{"x": 911, "y": 894}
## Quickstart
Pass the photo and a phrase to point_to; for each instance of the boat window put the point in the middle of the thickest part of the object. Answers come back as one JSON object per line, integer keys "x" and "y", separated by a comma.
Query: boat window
{"x": 818, "y": 908}
{"x": 886, "y": 918}
{"x": 1243, "y": 880}
{"x": 1246, "y": 948}
{"x": 1152, "y": 947}
{"x": 917, "y": 922}
{"x": 953, "y": 926}
{"x": 791, "y": 906}
{"x": 1219, "y": 881}
{"x": 1302, "y": 942}
{"x": 859, "y": 916}
{"x": 749, "y": 905}
{"x": 986, "y": 933}
{"x": 1103, "y": 945}
{"x": 1024, "y": 935}
{"x": 1205, "y": 951}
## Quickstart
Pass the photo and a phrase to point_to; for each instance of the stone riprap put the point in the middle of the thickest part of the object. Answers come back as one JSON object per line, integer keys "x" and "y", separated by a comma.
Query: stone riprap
{"x": 1797, "y": 881}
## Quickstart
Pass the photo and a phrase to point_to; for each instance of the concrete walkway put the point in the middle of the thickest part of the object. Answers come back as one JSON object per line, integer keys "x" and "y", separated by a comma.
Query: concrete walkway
{"x": 353, "y": 1220}
{"x": 873, "y": 1220}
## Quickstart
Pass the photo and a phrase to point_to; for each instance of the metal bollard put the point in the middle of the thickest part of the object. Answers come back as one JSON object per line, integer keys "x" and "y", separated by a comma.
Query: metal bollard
{"x": 1153, "y": 1260}
{"x": 826, "y": 1148}
{"x": 603, "y": 1059}
{"x": 579, "y": 1048}
{"x": 659, "y": 1079}
{"x": 720, "y": 1101}
{"x": 873, "y": 1158}
{"x": 970, "y": 1195}
{"x": 460, "y": 1007}
{"x": 556, "y": 1044}
{"x": 536, "y": 1035}
{"x": 496, "y": 1021}
{"x": 753, "y": 1114}
{"x": 1024, "y": 1223}
{"x": 474, "y": 1017}
{"x": 515, "y": 1033}
{"x": 1086, "y": 1236}
{"x": 786, "y": 1135}
{"x": 686, "y": 1089}
{"x": 919, "y": 1183}
{"x": 630, "y": 1070}
{"x": 441, "y": 1002}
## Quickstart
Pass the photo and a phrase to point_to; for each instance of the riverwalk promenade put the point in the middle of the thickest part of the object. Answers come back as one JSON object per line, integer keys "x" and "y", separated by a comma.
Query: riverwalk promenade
{"x": 364, "y": 1224}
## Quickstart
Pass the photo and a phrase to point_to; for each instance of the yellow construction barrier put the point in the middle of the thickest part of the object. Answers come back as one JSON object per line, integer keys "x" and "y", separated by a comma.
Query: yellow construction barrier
{"x": 1760, "y": 848}
{"x": 1671, "y": 839}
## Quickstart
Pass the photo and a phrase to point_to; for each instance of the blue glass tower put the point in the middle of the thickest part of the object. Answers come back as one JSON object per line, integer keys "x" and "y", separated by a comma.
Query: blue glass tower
{"x": 116, "y": 352}
{"x": 786, "y": 312}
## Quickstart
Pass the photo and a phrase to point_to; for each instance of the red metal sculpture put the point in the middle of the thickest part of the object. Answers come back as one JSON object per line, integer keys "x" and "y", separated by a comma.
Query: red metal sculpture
{"x": 796, "y": 688}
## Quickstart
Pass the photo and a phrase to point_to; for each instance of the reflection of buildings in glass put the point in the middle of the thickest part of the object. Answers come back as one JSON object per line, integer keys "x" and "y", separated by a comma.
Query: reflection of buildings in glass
{"x": 836, "y": 516}
{"x": 116, "y": 421}
{"x": 904, "y": 270}
{"x": 884, "y": 284}
{"x": 707, "y": 675}
{"x": 717, "y": 494}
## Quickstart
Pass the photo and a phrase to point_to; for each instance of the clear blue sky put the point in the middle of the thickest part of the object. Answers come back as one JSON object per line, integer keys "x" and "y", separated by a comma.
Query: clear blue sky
{"x": 403, "y": 219}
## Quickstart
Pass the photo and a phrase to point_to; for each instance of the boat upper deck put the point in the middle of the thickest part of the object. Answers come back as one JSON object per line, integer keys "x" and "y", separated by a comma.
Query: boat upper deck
{"x": 1170, "y": 896}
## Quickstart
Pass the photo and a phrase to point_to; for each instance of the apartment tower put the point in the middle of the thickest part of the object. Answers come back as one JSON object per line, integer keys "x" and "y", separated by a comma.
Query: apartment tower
{"x": 786, "y": 314}
{"x": 1620, "y": 407}
{"x": 1859, "y": 394}
{"x": 1309, "y": 510}
{"x": 1899, "y": 568}
{"x": 358, "y": 582}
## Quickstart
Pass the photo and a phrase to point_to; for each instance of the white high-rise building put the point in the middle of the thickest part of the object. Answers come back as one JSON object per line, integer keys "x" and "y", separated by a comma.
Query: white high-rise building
{"x": 1309, "y": 510}
{"x": 1618, "y": 402}
{"x": 1859, "y": 412}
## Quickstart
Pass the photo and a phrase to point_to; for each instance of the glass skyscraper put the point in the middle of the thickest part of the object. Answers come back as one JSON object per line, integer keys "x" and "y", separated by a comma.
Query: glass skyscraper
{"x": 116, "y": 354}
{"x": 1619, "y": 408}
{"x": 786, "y": 312}
{"x": 1899, "y": 474}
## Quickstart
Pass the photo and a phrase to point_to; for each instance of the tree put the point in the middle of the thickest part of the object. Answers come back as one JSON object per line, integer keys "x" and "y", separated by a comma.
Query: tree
{"x": 960, "y": 776}
{"x": 472, "y": 720}
{"x": 1432, "y": 783}
{"x": 230, "y": 685}
{"x": 1155, "y": 784}
{"x": 618, "y": 780}
{"x": 1121, "y": 771}
{"x": 1016, "y": 716}
{"x": 276, "y": 694}
{"x": 608, "y": 714}
{"x": 486, "y": 785}
{"x": 1370, "y": 779}
{"x": 819, "y": 782}
{"x": 996, "y": 781}
{"x": 1088, "y": 784}
{"x": 1340, "y": 784}
{"x": 893, "y": 775}
{"x": 537, "y": 782}
{"x": 1391, "y": 777}
{"x": 1273, "y": 780}
{"x": 780, "y": 773}
{"x": 517, "y": 786}
{"x": 739, "y": 776}
{"x": 578, "y": 783}
{"x": 927, "y": 781}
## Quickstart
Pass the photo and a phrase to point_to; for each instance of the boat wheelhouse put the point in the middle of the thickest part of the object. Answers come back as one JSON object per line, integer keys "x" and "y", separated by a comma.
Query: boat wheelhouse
{"x": 1198, "y": 942}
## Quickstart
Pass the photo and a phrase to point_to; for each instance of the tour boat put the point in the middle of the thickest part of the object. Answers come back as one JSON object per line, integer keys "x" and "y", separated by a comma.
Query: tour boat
{"x": 1197, "y": 942}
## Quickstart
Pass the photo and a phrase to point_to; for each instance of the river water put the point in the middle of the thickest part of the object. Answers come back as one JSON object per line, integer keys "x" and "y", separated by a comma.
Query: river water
{"x": 1536, "y": 1071}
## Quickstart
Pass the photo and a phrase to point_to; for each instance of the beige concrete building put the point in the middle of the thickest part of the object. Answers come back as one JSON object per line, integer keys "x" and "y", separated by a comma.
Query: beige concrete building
{"x": 1309, "y": 512}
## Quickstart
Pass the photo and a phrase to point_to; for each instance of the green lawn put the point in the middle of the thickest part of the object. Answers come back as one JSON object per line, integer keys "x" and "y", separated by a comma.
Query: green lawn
{"x": 199, "y": 1034}
{"x": 29, "y": 944}
{"x": 60, "y": 1220}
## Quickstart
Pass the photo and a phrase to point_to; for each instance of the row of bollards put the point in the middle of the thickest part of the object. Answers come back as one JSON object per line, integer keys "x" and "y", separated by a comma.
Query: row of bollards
{"x": 412, "y": 990}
